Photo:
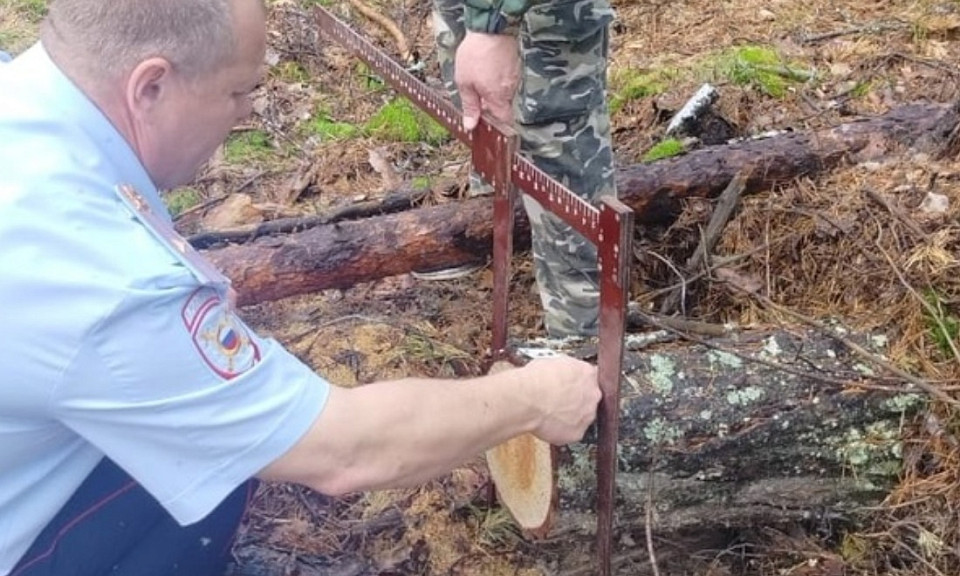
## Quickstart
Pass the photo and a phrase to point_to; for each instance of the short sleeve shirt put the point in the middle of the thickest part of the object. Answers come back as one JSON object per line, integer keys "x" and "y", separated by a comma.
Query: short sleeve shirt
{"x": 112, "y": 343}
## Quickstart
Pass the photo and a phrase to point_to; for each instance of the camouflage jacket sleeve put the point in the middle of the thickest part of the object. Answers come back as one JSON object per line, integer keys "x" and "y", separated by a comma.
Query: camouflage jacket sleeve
{"x": 496, "y": 16}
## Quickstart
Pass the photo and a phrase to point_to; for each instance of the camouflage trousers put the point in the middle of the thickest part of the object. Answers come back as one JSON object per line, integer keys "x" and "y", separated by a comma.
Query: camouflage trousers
{"x": 564, "y": 128}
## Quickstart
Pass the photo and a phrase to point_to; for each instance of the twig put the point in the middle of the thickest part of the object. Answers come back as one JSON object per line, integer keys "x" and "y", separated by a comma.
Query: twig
{"x": 249, "y": 181}
{"x": 403, "y": 46}
{"x": 315, "y": 330}
{"x": 860, "y": 351}
{"x": 648, "y": 525}
{"x": 200, "y": 207}
{"x": 895, "y": 212}
{"x": 317, "y": 518}
{"x": 926, "y": 305}
{"x": 590, "y": 568}
{"x": 636, "y": 317}
{"x": 395, "y": 202}
{"x": 682, "y": 287}
{"x": 874, "y": 28}
{"x": 726, "y": 205}
{"x": 795, "y": 74}
{"x": 919, "y": 557}
{"x": 935, "y": 64}
{"x": 775, "y": 365}
{"x": 391, "y": 518}
{"x": 718, "y": 262}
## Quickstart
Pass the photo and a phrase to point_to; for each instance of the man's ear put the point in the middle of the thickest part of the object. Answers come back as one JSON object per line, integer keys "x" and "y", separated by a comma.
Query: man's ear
{"x": 148, "y": 84}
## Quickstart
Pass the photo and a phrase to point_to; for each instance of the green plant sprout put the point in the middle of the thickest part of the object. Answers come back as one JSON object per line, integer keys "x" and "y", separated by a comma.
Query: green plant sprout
{"x": 665, "y": 149}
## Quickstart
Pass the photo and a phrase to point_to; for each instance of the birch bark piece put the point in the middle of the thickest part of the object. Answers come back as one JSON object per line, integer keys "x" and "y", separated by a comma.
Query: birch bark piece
{"x": 523, "y": 470}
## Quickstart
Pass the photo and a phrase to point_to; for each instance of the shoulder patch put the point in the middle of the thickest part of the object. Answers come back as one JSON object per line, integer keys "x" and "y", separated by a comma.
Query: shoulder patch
{"x": 163, "y": 230}
{"x": 220, "y": 337}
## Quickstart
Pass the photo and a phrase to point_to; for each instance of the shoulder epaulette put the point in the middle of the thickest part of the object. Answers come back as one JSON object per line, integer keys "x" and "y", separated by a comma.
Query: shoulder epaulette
{"x": 163, "y": 230}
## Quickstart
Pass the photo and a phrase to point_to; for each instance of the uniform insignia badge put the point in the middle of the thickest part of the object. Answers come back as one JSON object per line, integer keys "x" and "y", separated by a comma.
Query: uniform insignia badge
{"x": 220, "y": 337}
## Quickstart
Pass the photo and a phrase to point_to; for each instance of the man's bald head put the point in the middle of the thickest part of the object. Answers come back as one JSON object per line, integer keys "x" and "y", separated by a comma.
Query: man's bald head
{"x": 106, "y": 38}
{"x": 172, "y": 76}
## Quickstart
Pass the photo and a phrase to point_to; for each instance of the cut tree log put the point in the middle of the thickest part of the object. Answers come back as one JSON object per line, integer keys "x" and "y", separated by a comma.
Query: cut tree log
{"x": 342, "y": 254}
{"x": 524, "y": 473}
{"x": 772, "y": 427}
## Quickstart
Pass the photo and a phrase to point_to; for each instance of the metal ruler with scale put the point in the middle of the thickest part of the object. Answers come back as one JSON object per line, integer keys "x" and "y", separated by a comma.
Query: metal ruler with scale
{"x": 609, "y": 227}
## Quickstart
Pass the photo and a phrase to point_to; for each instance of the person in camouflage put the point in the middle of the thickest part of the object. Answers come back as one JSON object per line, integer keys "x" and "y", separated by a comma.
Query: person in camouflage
{"x": 556, "y": 93}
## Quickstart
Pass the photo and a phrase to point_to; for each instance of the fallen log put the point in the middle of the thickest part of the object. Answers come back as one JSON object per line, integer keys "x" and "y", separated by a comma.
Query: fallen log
{"x": 774, "y": 428}
{"x": 344, "y": 253}
{"x": 769, "y": 428}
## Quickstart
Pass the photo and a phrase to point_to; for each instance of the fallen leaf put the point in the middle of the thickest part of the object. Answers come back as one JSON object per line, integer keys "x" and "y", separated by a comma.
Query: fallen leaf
{"x": 236, "y": 210}
{"x": 305, "y": 177}
{"x": 739, "y": 282}
{"x": 378, "y": 160}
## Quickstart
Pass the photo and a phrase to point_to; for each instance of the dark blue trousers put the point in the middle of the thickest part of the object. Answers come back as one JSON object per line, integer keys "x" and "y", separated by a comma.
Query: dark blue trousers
{"x": 112, "y": 526}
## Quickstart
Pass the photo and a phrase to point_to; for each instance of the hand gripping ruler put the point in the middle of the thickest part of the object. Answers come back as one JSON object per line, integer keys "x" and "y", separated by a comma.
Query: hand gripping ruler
{"x": 609, "y": 227}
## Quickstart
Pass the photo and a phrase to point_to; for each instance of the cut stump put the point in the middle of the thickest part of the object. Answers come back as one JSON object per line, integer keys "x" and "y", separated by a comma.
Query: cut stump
{"x": 524, "y": 472}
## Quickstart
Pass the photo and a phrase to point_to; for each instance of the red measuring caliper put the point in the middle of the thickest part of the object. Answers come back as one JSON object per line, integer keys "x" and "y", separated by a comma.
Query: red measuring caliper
{"x": 609, "y": 227}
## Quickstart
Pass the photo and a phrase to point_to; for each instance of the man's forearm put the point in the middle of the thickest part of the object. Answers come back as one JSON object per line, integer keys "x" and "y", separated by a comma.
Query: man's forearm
{"x": 496, "y": 16}
{"x": 405, "y": 432}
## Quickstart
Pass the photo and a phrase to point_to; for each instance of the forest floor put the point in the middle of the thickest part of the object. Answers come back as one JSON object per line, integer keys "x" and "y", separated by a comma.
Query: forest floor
{"x": 325, "y": 135}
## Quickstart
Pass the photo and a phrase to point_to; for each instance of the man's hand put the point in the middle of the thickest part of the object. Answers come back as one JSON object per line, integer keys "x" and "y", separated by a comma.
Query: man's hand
{"x": 404, "y": 432}
{"x": 567, "y": 391}
{"x": 487, "y": 71}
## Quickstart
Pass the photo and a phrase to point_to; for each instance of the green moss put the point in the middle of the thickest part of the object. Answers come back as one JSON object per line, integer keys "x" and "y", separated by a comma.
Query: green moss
{"x": 761, "y": 67}
{"x": 326, "y": 128}
{"x": 919, "y": 32}
{"x": 666, "y": 149}
{"x": 496, "y": 528}
{"x": 290, "y": 72}
{"x": 370, "y": 81}
{"x": 860, "y": 90}
{"x": 248, "y": 146}
{"x": 854, "y": 548}
{"x": 400, "y": 121}
{"x": 422, "y": 183}
{"x": 181, "y": 199}
{"x": 631, "y": 84}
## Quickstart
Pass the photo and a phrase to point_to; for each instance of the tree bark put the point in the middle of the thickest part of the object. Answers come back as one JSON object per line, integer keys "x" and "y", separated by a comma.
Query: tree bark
{"x": 768, "y": 428}
{"x": 345, "y": 253}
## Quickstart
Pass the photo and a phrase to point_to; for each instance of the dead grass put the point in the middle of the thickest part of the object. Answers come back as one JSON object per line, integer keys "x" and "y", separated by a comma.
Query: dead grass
{"x": 18, "y": 23}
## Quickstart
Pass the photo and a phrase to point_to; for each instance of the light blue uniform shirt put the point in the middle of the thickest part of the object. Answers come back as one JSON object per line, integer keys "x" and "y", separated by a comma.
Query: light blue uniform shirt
{"x": 113, "y": 342}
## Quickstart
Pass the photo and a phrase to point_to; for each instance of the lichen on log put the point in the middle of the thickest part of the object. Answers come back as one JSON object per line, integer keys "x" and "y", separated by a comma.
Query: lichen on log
{"x": 762, "y": 428}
